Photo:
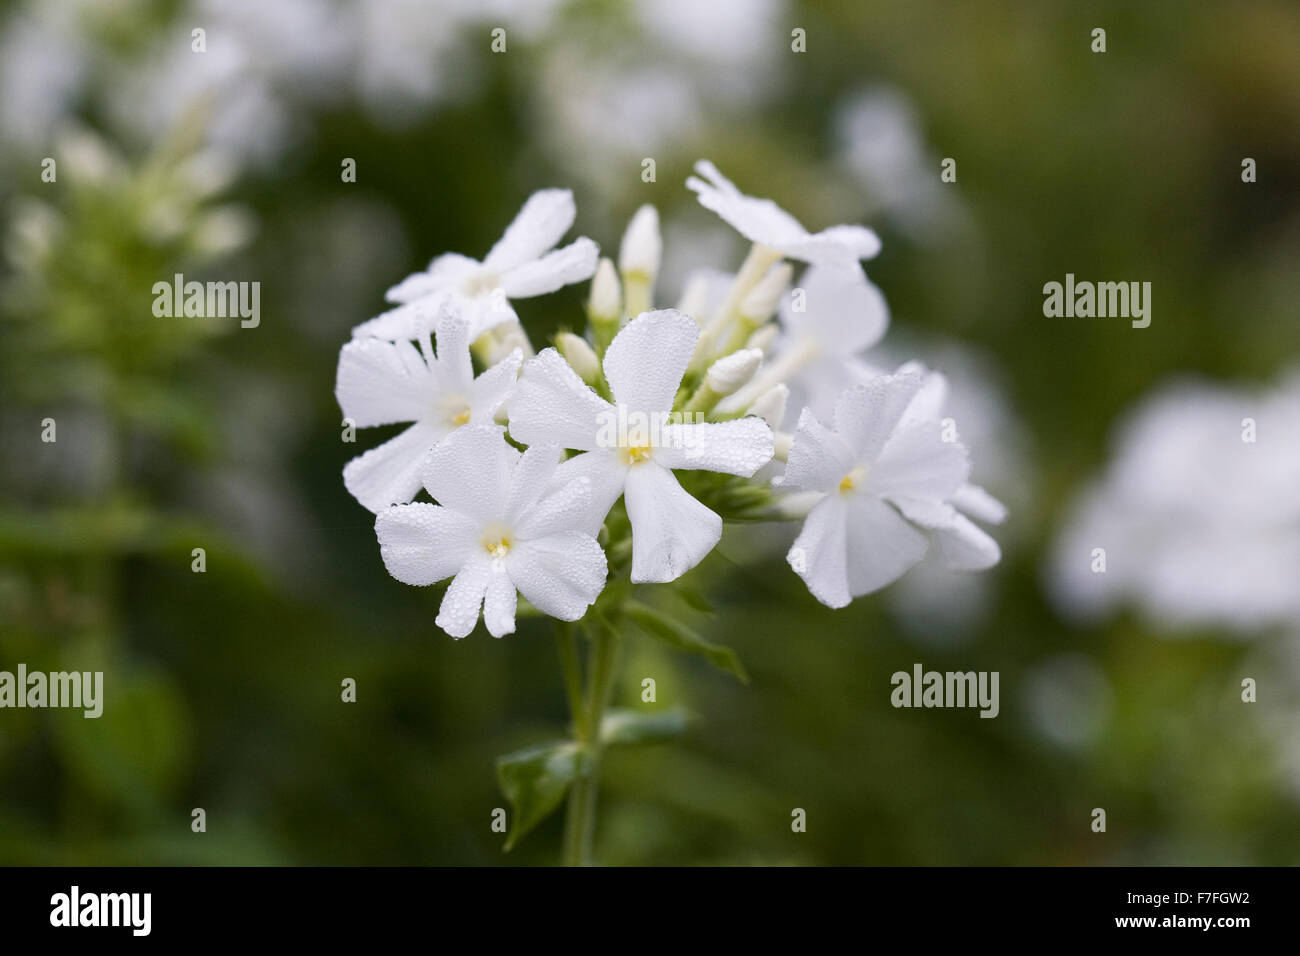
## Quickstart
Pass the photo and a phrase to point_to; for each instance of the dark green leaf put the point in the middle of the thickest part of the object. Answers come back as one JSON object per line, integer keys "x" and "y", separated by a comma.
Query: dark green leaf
{"x": 684, "y": 638}
{"x": 535, "y": 782}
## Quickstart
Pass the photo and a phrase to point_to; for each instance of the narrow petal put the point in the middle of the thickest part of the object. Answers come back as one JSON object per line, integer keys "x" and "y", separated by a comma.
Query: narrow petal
{"x": 552, "y": 406}
{"x": 671, "y": 531}
{"x": 469, "y": 471}
{"x": 499, "y": 602}
{"x": 819, "y": 459}
{"x": 647, "y": 359}
{"x": 423, "y": 543}
{"x": 881, "y": 545}
{"x": 529, "y": 480}
{"x": 576, "y": 262}
{"x": 962, "y": 545}
{"x": 486, "y": 312}
{"x": 978, "y": 503}
{"x": 819, "y": 554}
{"x": 409, "y": 321}
{"x": 738, "y": 447}
{"x": 538, "y": 226}
{"x": 390, "y": 474}
{"x": 867, "y": 414}
{"x": 604, "y": 476}
{"x": 455, "y": 368}
{"x": 491, "y": 389}
{"x": 843, "y": 312}
{"x": 375, "y": 384}
{"x": 560, "y": 575}
{"x": 916, "y": 462}
{"x": 444, "y": 272}
{"x": 460, "y": 605}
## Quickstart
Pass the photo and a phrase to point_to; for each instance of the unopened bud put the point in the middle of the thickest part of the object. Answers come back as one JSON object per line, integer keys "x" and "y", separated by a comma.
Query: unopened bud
{"x": 606, "y": 299}
{"x": 760, "y": 302}
{"x": 732, "y": 371}
{"x": 771, "y": 406}
{"x": 580, "y": 356}
{"x": 642, "y": 247}
{"x": 763, "y": 337}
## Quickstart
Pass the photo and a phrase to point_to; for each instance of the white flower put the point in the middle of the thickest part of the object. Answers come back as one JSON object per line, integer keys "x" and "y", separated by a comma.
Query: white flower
{"x": 1197, "y": 517}
{"x": 523, "y": 263}
{"x": 826, "y": 323}
{"x": 889, "y": 483}
{"x": 495, "y": 533}
{"x": 382, "y": 383}
{"x": 629, "y": 448}
{"x": 763, "y": 221}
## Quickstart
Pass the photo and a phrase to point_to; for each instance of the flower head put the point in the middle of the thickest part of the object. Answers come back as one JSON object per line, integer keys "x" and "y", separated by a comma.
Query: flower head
{"x": 763, "y": 221}
{"x": 523, "y": 263}
{"x": 382, "y": 383}
{"x": 888, "y": 482}
{"x": 497, "y": 531}
{"x": 630, "y": 447}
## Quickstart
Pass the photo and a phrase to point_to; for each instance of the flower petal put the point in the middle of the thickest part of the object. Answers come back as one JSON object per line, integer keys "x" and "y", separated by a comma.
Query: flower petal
{"x": 529, "y": 480}
{"x": 962, "y": 545}
{"x": 390, "y": 474}
{"x": 378, "y": 384}
{"x": 881, "y": 545}
{"x": 500, "y": 601}
{"x": 574, "y": 263}
{"x": 867, "y": 414}
{"x": 538, "y": 226}
{"x": 460, "y": 605}
{"x": 408, "y": 321}
{"x": 423, "y": 543}
{"x": 978, "y": 503}
{"x": 917, "y": 463}
{"x": 647, "y": 359}
{"x": 844, "y": 313}
{"x": 469, "y": 471}
{"x": 819, "y": 554}
{"x": 444, "y": 272}
{"x": 604, "y": 477}
{"x": 560, "y": 574}
{"x": 671, "y": 531}
{"x": 819, "y": 459}
{"x": 493, "y": 386}
{"x": 738, "y": 447}
{"x": 553, "y": 406}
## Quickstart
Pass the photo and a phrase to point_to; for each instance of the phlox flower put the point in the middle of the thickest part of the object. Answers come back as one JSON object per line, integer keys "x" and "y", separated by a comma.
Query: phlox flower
{"x": 523, "y": 263}
{"x": 763, "y": 221}
{"x": 497, "y": 532}
{"x": 383, "y": 383}
{"x": 888, "y": 483}
{"x": 644, "y": 365}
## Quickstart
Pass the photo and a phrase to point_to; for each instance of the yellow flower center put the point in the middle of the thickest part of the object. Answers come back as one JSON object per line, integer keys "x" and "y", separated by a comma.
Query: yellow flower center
{"x": 635, "y": 454}
{"x": 852, "y": 479}
{"x": 497, "y": 544}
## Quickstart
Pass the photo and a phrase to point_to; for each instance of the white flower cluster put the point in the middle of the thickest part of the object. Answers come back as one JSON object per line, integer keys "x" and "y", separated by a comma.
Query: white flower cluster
{"x": 643, "y": 395}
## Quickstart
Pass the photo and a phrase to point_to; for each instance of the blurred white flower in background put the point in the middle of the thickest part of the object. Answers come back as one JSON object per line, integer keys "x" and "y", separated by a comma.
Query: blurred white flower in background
{"x": 880, "y": 144}
{"x": 1199, "y": 524}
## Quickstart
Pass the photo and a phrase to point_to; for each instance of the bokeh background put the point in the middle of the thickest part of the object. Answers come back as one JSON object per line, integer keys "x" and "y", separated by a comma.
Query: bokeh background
{"x": 223, "y": 688}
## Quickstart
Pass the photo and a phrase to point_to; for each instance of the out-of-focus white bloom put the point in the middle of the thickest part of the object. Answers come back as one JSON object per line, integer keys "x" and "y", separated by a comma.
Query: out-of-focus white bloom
{"x": 889, "y": 483}
{"x": 383, "y": 383}
{"x": 827, "y": 321}
{"x": 630, "y": 448}
{"x": 1197, "y": 517}
{"x": 882, "y": 146}
{"x": 763, "y": 221}
{"x": 497, "y": 532}
{"x": 523, "y": 263}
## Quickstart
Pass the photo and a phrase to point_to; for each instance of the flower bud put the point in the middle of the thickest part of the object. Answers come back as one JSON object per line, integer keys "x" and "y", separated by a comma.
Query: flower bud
{"x": 580, "y": 356}
{"x": 760, "y": 302}
{"x": 642, "y": 246}
{"x": 732, "y": 371}
{"x": 606, "y": 300}
{"x": 763, "y": 337}
{"x": 771, "y": 406}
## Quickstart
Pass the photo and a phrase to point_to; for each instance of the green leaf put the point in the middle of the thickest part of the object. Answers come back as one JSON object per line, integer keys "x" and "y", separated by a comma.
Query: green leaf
{"x": 678, "y": 635}
{"x": 624, "y": 725}
{"x": 693, "y": 599}
{"x": 535, "y": 782}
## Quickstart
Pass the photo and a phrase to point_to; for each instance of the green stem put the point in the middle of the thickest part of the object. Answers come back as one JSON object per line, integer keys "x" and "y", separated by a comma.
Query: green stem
{"x": 580, "y": 817}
